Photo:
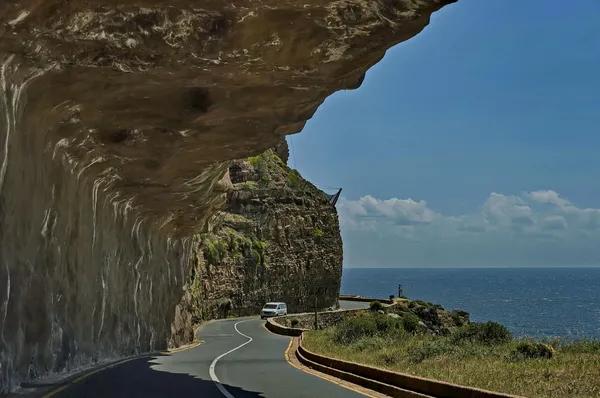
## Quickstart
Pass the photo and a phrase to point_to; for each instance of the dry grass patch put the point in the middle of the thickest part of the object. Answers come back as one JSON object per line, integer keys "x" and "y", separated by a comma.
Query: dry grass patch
{"x": 479, "y": 356}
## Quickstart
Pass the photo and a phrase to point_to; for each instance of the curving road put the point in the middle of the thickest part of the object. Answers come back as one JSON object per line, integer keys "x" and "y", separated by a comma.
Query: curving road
{"x": 353, "y": 305}
{"x": 238, "y": 358}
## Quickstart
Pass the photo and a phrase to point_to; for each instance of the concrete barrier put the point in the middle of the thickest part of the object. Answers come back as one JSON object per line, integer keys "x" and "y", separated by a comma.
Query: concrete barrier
{"x": 276, "y": 328}
{"x": 364, "y": 299}
{"x": 374, "y": 385}
{"x": 405, "y": 382}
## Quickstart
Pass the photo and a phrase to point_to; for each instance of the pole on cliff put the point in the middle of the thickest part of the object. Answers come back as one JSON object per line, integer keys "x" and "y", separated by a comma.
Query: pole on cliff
{"x": 316, "y": 320}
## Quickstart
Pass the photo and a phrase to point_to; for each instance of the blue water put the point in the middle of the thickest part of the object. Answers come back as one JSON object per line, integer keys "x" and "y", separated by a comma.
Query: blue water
{"x": 535, "y": 302}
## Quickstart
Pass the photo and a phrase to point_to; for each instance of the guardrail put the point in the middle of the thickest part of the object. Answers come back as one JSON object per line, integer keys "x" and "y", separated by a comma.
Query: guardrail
{"x": 391, "y": 383}
{"x": 386, "y": 379}
{"x": 362, "y": 299}
{"x": 284, "y": 330}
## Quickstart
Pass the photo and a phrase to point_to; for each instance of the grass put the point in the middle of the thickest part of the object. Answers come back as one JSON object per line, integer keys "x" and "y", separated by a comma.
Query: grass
{"x": 495, "y": 363}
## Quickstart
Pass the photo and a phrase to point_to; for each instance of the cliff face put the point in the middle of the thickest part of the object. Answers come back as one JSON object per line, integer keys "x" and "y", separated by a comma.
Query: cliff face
{"x": 278, "y": 239}
{"x": 117, "y": 122}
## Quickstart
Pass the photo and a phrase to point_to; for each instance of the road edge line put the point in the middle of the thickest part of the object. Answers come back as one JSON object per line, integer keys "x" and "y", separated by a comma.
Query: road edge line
{"x": 211, "y": 369}
{"x": 312, "y": 372}
{"x": 319, "y": 374}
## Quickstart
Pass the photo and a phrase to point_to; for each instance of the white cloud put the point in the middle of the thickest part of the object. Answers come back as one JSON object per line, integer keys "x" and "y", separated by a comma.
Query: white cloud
{"x": 394, "y": 211}
{"x": 506, "y": 230}
{"x": 550, "y": 197}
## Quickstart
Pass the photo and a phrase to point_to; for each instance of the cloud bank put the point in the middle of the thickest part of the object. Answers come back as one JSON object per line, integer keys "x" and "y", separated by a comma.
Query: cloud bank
{"x": 538, "y": 228}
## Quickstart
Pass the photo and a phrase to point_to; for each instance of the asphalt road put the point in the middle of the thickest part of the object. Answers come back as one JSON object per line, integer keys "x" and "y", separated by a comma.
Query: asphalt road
{"x": 352, "y": 305}
{"x": 238, "y": 358}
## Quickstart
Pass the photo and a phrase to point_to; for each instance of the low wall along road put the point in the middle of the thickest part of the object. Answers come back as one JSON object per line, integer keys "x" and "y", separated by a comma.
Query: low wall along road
{"x": 394, "y": 384}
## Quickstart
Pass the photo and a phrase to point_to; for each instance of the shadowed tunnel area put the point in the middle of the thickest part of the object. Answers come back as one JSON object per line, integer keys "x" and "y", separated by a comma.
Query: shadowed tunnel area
{"x": 147, "y": 377}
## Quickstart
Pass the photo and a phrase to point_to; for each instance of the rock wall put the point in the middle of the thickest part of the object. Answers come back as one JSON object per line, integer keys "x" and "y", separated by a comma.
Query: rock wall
{"x": 117, "y": 123}
{"x": 278, "y": 239}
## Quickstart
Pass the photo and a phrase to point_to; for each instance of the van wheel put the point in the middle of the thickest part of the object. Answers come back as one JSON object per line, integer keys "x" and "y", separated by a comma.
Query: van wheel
{"x": 262, "y": 317}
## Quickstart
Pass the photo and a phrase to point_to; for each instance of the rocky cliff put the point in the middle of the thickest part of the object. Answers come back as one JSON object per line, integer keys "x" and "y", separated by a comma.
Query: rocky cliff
{"x": 277, "y": 239}
{"x": 117, "y": 122}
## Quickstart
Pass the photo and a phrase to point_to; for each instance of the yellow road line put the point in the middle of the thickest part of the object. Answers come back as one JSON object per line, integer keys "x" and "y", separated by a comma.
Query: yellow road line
{"x": 310, "y": 371}
{"x": 78, "y": 379}
{"x": 319, "y": 374}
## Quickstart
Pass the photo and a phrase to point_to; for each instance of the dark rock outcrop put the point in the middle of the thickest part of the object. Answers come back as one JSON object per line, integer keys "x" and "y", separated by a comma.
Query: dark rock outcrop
{"x": 117, "y": 122}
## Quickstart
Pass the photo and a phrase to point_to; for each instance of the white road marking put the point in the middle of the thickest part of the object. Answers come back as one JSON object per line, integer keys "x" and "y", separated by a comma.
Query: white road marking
{"x": 211, "y": 370}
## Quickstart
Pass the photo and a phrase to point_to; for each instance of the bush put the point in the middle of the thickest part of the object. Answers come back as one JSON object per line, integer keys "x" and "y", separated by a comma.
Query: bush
{"x": 391, "y": 296}
{"x": 294, "y": 323}
{"x": 410, "y": 322}
{"x": 485, "y": 333}
{"x": 353, "y": 329}
{"x": 429, "y": 350}
{"x": 376, "y": 306}
{"x": 534, "y": 349}
{"x": 211, "y": 253}
{"x": 458, "y": 321}
{"x": 318, "y": 235}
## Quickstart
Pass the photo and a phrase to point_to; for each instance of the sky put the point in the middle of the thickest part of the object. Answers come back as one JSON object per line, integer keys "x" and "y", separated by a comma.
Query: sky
{"x": 476, "y": 143}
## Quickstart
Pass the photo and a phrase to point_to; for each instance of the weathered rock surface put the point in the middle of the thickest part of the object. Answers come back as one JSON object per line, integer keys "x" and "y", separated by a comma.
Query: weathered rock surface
{"x": 277, "y": 239}
{"x": 117, "y": 122}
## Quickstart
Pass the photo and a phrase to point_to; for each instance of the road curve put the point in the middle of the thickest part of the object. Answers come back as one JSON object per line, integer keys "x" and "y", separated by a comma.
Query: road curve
{"x": 353, "y": 305}
{"x": 238, "y": 358}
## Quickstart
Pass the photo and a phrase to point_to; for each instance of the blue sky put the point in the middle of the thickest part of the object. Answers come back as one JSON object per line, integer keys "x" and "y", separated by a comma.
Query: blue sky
{"x": 494, "y": 97}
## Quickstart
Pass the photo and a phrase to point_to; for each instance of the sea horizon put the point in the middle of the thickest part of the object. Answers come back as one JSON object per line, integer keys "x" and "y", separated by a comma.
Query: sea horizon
{"x": 541, "y": 302}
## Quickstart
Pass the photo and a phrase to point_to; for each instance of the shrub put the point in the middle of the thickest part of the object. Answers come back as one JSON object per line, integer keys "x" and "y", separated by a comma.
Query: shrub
{"x": 294, "y": 323}
{"x": 534, "y": 349}
{"x": 211, "y": 253}
{"x": 318, "y": 235}
{"x": 458, "y": 321}
{"x": 412, "y": 304}
{"x": 428, "y": 350}
{"x": 485, "y": 333}
{"x": 353, "y": 329}
{"x": 410, "y": 322}
{"x": 376, "y": 306}
{"x": 391, "y": 296}
{"x": 254, "y": 161}
{"x": 294, "y": 179}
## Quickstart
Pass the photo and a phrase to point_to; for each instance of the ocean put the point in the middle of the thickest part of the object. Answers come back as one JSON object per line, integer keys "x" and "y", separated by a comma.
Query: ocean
{"x": 534, "y": 302}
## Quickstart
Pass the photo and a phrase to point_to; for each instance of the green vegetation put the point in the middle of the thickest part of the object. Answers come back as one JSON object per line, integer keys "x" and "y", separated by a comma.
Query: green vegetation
{"x": 254, "y": 160}
{"x": 250, "y": 184}
{"x": 534, "y": 349}
{"x": 376, "y": 306}
{"x": 318, "y": 235}
{"x": 272, "y": 172}
{"x": 483, "y": 333}
{"x": 294, "y": 179}
{"x": 230, "y": 243}
{"x": 480, "y": 355}
{"x": 211, "y": 254}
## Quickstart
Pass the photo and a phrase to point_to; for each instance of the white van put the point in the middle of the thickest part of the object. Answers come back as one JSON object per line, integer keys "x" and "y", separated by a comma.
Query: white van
{"x": 273, "y": 309}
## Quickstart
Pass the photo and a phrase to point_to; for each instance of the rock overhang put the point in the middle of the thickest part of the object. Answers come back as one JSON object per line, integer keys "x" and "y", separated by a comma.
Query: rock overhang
{"x": 148, "y": 100}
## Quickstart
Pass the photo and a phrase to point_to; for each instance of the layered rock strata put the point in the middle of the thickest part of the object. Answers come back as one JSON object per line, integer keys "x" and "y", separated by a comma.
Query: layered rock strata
{"x": 117, "y": 122}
